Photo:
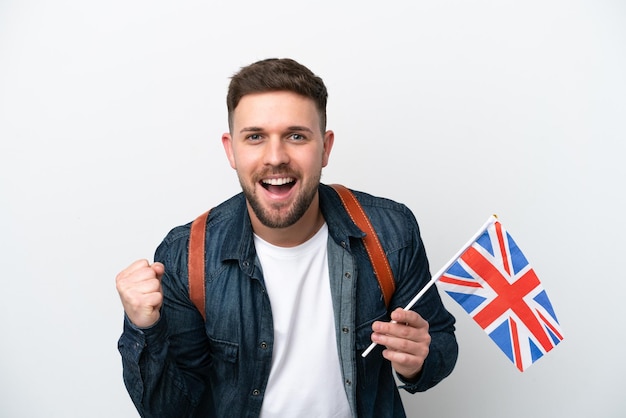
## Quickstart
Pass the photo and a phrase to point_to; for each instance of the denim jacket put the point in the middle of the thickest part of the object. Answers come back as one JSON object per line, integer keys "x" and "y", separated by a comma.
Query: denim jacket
{"x": 185, "y": 367}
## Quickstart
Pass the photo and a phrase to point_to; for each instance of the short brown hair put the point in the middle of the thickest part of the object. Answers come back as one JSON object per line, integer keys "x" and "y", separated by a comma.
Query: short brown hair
{"x": 276, "y": 74}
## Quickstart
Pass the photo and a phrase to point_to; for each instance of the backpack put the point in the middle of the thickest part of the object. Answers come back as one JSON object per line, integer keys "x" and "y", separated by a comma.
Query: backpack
{"x": 378, "y": 259}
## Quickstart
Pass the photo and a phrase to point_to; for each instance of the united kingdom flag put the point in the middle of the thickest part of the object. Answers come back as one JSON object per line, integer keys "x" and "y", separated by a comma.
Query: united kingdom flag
{"x": 495, "y": 284}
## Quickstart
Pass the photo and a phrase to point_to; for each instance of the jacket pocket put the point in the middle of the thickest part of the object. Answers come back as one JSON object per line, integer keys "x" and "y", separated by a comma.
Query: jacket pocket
{"x": 368, "y": 368}
{"x": 224, "y": 350}
{"x": 224, "y": 362}
{"x": 364, "y": 332}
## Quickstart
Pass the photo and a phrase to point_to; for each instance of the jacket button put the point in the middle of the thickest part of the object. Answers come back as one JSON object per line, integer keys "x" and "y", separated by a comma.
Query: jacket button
{"x": 264, "y": 345}
{"x": 347, "y": 275}
{"x": 256, "y": 392}
{"x": 348, "y": 382}
{"x": 345, "y": 330}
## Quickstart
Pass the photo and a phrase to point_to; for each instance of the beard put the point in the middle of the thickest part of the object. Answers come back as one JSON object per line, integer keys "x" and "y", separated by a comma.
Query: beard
{"x": 281, "y": 215}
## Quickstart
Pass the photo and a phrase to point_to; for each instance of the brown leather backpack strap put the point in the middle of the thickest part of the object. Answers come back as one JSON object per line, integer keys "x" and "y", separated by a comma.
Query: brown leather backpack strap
{"x": 196, "y": 262}
{"x": 374, "y": 249}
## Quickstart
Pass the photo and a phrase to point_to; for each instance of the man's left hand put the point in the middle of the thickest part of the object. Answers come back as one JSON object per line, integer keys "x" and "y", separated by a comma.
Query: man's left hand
{"x": 407, "y": 341}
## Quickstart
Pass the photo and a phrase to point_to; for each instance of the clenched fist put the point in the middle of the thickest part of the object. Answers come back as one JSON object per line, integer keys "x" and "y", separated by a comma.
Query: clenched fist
{"x": 139, "y": 286}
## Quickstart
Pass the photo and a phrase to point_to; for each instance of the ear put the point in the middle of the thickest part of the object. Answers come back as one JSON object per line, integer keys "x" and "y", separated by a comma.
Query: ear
{"x": 227, "y": 143}
{"x": 329, "y": 139}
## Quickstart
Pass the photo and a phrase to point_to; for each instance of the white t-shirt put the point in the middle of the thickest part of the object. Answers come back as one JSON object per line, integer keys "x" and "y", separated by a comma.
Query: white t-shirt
{"x": 305, "y": 379}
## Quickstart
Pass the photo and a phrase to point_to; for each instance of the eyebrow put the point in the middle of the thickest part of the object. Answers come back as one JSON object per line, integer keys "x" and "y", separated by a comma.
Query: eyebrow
{"x": 297, "y": 128}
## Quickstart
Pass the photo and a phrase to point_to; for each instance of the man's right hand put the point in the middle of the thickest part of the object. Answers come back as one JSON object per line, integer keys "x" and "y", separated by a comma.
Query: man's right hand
{"x": 139, "y": 286}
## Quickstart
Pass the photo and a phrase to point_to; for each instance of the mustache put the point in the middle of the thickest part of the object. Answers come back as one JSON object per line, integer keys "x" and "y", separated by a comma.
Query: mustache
{"x": 283, "y": 171}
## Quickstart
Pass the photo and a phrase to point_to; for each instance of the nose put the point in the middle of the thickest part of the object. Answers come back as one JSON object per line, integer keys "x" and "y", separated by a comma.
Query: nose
{"x": 276, "y": 153}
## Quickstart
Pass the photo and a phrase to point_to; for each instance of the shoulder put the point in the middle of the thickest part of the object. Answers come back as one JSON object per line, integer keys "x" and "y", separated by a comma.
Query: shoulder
{"x": 374, "y": 206}
{"x": 175, "y": 244}
{"x": 365, "y": 199}
{"x": 393, "y": 221}
{"x": 382, "y": 204}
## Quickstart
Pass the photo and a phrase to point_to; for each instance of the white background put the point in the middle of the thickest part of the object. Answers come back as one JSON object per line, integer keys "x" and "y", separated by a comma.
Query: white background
{"x": 111, "y": 114}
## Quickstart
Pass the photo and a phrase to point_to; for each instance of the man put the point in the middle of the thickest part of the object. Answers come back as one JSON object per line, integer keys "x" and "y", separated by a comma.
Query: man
{"x": 291, "y": 298}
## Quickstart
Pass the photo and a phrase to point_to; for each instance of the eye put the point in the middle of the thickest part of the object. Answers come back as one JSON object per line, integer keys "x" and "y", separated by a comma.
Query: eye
{"x": 297, "y": 137}
{"x": 253, "y": 137}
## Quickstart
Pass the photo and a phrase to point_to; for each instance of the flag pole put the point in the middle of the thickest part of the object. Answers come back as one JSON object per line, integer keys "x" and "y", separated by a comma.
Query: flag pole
{"x": 441, "y": 271}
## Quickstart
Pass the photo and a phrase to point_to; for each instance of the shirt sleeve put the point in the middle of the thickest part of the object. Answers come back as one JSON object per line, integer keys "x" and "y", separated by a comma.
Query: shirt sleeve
{"x": 165, "y": 365}
{"x": 413, "y": 275}
{"x": 443, "y": 350}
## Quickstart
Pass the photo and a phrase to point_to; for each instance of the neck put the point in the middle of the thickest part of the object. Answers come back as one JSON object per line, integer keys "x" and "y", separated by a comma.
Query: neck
{"x": 293, "y": 235}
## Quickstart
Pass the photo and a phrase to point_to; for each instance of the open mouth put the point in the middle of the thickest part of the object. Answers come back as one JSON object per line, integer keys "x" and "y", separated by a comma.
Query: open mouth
{"x": 278, "y": 186}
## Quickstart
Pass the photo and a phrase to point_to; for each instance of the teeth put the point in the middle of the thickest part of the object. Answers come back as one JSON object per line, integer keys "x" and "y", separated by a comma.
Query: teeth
{"x": 278, "y": 182}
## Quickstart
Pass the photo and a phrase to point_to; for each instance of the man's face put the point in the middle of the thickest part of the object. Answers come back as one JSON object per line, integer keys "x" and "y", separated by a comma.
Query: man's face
{"x": 278, "y": 150}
